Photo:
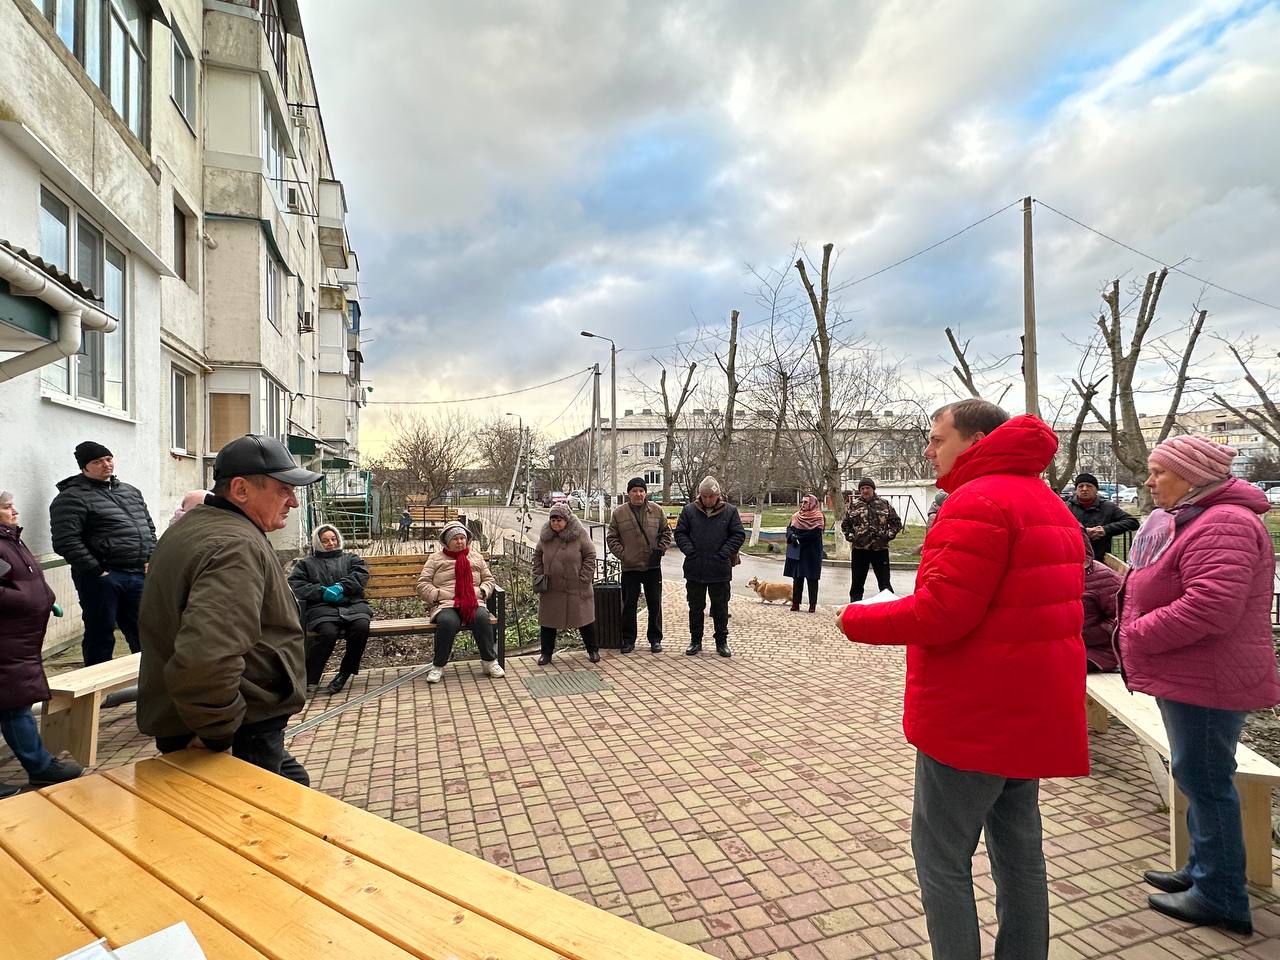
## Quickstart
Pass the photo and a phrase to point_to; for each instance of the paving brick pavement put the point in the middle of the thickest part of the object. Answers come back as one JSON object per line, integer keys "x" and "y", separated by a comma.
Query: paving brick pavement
{"x": 757, "y": 807}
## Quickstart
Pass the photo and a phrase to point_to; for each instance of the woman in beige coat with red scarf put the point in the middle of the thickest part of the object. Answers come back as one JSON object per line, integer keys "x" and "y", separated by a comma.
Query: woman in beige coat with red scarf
{"x": 564, "y": 566}
{"x": 455, "y": 583}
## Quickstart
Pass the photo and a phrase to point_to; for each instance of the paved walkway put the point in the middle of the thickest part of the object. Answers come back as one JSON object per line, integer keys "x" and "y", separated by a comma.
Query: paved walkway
{"x": 755, "y": 807}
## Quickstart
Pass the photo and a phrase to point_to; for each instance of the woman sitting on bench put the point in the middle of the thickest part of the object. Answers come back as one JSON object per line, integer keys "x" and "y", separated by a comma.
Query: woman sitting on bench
{"x": 1195, "y": 633}
{"x": 1101, "y": 585}
{"x": 330, "y": 583}
{"x": 454, "y": 584}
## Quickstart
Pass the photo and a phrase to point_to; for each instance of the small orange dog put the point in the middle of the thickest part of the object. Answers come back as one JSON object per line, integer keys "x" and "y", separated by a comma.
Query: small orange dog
{"x": 770, "y": 592}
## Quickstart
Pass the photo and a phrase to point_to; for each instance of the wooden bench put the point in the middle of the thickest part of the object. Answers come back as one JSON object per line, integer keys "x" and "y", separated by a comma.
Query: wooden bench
{"x": 1255, "y": 776}
{"x": 426, "y": 516}
{"x": 395, "y": 577}
{"x": 258, "y": 867}
{"x": 69, "y": 720}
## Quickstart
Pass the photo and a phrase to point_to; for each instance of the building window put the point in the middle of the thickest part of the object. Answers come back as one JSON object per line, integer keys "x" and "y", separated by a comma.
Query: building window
{"x": 272, "y": 151}
{"x": 75, "y": 244}
{"x": 183, "y": 88}
{"x": 653, "y": 448}
{"x": 273, "y": 292}
{"x": 178, "y": 439}
{"x": 653, "y": 478}
{"x": 179, "y": 242}
{"x": 272, "y": 409}
{"x": 228, "y": 418}
{"x": 109, "y": 38}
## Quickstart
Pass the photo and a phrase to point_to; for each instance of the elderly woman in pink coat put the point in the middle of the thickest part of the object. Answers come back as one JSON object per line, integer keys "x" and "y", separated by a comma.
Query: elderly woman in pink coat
{"x": 1195, "y": 633}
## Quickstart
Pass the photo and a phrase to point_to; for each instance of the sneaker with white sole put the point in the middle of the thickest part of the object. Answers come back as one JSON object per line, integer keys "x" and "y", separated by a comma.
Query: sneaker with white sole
{"x": 435, "y": 675}
{"x": 492, "y": 668}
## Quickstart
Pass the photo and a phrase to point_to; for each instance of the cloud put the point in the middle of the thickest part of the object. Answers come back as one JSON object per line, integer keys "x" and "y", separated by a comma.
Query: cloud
{"x": 519, "y": 172}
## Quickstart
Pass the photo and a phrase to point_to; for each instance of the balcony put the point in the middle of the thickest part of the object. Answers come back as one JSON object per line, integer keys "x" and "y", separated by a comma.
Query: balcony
{"x": 331, "y": 224}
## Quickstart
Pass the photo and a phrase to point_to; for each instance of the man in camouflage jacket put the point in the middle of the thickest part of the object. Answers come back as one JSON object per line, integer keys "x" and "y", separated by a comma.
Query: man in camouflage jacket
{"x": 869, "y": 523}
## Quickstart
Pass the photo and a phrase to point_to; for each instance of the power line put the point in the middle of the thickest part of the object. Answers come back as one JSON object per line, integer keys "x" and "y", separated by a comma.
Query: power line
{"x": 570, "y": 403}
{"x": 1153, "y": 259}
{"x": 489, "y": 396}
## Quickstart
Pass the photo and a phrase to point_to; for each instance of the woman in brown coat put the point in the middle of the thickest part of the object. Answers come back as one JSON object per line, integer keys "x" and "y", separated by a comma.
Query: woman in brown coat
{"x": 455, "y": 584}
{"x": 564, "y": 566}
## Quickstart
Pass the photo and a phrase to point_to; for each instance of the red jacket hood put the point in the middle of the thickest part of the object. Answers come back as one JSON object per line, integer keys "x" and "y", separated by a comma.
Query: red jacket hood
{"x": 1023, "y": 445}
{"x": 1239, "y": 492}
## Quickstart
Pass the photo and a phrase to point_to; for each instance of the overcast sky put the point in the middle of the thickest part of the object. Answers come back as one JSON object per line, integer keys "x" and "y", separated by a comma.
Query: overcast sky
{"x": 519, "y": 171}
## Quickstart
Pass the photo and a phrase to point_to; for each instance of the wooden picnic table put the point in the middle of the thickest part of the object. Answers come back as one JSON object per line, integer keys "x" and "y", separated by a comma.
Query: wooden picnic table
{"x": 260, "y": 867}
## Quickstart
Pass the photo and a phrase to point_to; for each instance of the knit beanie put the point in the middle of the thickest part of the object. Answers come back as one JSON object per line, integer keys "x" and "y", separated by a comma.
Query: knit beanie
{"x": 1086, "y": 478}
{"x": 637, "y": 482}
{"x": 451, "y": 530}
{"x": 709, "y": 485}
{"x": 89, "y": 451}
{"x": 866, "y": 482}
{"x": 1198, "y": 461}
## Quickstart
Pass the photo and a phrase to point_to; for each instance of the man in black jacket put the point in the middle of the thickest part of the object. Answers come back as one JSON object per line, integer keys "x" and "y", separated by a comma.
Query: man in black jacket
{"x": 102, "y": 528}
{"x": 709, "y": 533}
{"x": 1101, "y": 519}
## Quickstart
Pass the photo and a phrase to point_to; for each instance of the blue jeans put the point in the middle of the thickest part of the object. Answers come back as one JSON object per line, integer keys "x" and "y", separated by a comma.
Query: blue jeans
{"x": 106, "y": 602}
{"x": 19, "y": 729}
{"x": 1202, "y": 745}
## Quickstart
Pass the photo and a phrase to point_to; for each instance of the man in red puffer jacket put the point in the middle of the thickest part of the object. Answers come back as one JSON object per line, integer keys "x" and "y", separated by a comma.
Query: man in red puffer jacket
{"x": 995, "y": 673}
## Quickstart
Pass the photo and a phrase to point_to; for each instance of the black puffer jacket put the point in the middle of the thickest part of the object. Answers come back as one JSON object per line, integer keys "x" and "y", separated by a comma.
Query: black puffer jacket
{"x": 1107, "y": 514}
{"x": 101, "y": 525}
{"x": 323, "y": 568}
{"x": 25, "y": 602}
{"x": 709, "y": 539}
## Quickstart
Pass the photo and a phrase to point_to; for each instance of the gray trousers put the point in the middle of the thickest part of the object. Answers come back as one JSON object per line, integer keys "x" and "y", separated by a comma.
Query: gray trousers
{"x": 952, "y": 807}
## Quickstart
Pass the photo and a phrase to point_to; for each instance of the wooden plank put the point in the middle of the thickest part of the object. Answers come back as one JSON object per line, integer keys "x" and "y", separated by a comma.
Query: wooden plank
{"x": 101, "y": 676}
{"x": 576, "y": 929}
{"x": 1255, "y": 812}
{"x": 415, "y": 625}
{"x": 83, "y": 728}
{"x": 418, "y": 920}
{"x": 113, "y": 896}
{"x": 1115, "y": 563}
{"x": 36, "y": 924}
{"x": 273, "y": 916}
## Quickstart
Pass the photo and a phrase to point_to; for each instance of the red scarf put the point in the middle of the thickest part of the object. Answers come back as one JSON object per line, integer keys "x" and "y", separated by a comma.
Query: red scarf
{"x": 464, "y": 585}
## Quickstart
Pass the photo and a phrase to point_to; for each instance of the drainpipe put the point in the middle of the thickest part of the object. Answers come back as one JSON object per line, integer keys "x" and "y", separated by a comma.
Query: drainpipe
{"x": 73, "y": 315}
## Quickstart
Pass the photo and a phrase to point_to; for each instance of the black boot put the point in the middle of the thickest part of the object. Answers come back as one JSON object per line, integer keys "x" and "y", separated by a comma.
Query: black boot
{"x": 1185, "y": 906}
{"x": 628, "y": 646}
{"x": 544, "y": 659}
{"x": 722, "y": 648}
{"x": 694, "y": 648}
{"x": 337, "y": 683}
{"x": 1174, "y": 881}
{"x": 593, "y": 655}
{"x": 59, "y": 771}
{"x": 9, "y": 790}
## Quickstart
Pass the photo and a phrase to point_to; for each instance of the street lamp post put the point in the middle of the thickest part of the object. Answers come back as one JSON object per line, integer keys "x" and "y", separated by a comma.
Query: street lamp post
{"x": 521, "y": 455}
{"x": 613, "y": 416}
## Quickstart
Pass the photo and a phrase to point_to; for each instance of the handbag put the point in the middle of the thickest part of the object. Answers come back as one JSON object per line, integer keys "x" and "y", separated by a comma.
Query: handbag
{"x": 540, "y": 584}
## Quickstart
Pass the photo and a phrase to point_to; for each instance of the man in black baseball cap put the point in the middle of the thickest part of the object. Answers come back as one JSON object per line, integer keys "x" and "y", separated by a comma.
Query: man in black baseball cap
{"x": 222, "y": 644}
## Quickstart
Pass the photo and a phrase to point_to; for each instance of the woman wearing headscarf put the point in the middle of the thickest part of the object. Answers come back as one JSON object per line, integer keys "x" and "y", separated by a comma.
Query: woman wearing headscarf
{"x": 330, "y": 584}
{"x": 455, "y": 583}
{"x": 25, "y": 604}
{"x": 804, "y": 550}
{"x": 564, "y": 566}
{"x": 1195, "y": 633}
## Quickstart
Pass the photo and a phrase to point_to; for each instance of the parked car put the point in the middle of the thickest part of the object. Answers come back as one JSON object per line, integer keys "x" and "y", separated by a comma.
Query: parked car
{"x": 557, "y": 496}
{"x": 1273, "y": 496}
{"x": 1127, "y": 495}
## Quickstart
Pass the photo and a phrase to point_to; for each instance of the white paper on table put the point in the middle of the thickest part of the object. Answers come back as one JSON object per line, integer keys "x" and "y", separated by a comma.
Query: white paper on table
{"x": 884, "y": 596}
{"x": 94, "y": 951}
{"x": 172, "y": 943}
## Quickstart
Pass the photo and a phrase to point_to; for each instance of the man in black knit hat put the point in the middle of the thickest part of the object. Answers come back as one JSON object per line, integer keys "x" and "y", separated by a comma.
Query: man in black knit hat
{"x": 1100, "y": 519}
{"x": 101, "y": 526}
{"x": 638, "y": 536}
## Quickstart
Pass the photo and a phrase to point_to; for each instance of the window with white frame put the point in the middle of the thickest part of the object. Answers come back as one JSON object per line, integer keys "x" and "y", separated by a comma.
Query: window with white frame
{"x": 653, "y": 448}
{"x": 179, "y": 441}
{"x": 183, "y": 78}
{"x": 272, "y": 409}
{"x": 274, "y": 291}
{"x": 75, "y": 244}
{"x": 653, "y": 478}
{"x": 272, "y": 150}
{"x": 110, "y": 39}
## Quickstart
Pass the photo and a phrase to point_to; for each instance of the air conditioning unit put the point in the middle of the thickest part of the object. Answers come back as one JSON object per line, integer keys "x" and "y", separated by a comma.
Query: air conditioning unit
{"x": 293, "y": 199}
{"x": 297, "y": 110}
{"x": 305, "y": 323}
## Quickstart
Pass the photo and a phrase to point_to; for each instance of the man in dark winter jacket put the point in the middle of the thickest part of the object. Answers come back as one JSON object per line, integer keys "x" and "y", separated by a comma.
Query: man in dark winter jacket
{"x": 1100, "y": 519}
{"x": 222, "y": 649}
{"x": 709, "y": 533}
{"x": 869, "y": 523}
{"x": 102, "y": 528}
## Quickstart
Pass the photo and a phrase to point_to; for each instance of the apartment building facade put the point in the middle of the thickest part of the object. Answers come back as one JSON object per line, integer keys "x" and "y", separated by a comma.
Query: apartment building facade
{"x": 165, "y": 166}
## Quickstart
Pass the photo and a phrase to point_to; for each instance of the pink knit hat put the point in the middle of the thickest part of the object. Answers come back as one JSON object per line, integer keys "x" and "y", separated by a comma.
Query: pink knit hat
{"x": 1195, "y": 459}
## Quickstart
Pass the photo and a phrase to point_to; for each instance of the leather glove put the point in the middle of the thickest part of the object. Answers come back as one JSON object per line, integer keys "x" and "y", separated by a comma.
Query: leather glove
{"x": 333, "y": 593}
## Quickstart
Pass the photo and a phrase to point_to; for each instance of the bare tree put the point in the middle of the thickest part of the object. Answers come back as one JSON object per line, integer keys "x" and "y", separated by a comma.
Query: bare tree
{"x": 1063, "y": 467}
{"x": 671, "y": 417}
{"x": 498, "y": 443}
{"x": 429, "y": 450}
{"x": 1264, "y": 418}
{"x": 729, "y": 366}
{"x": 975, "y": 381}
{"x": 819, "y": 300}
{"x": 1121, "y": 421}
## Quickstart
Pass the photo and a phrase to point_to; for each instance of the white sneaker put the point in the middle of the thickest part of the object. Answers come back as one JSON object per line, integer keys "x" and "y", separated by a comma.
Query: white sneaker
{"x": 435, "y": 675}
{"x": 494, "y": 670}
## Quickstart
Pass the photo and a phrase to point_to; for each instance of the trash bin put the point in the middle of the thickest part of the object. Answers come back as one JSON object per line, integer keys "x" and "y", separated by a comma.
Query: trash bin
{"x": 608, "y": 599}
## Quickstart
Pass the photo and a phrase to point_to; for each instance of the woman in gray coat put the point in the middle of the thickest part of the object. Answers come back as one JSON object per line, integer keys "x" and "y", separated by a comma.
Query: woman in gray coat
{"x": 564, "y": 566}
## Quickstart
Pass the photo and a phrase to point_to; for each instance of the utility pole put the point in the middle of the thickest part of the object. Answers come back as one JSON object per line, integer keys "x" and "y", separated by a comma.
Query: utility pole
{"x": 1030, "y": 373}
{"x": 613, "y": 423}
{"x": 599, "y": 446}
